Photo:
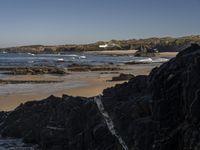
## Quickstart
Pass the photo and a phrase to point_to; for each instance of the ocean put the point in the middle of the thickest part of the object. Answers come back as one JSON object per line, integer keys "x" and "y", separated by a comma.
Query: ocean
{"x": 62, "y": 60}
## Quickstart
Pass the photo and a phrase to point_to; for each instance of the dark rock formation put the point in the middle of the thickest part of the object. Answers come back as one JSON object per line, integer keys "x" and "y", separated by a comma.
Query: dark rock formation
{"x": 146, "y": 51}
{"x": 80, "y": 68}
{"x": 155, "y": 112}
{"x": 122, "y": 77}
{"x": 175, "y": 90}
{"x": 32, "y": 70}
{"x": 28, "y": 81}
{"x": 60, "y": 123}
{"x": 3, "y": 116}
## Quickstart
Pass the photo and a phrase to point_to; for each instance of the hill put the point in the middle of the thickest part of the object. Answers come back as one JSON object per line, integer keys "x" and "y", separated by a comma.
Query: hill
{"x": 165, "y": 44}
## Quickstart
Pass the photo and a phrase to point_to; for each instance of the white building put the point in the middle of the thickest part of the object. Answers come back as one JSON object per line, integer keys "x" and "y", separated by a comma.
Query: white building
{"x": 103, "y": 46}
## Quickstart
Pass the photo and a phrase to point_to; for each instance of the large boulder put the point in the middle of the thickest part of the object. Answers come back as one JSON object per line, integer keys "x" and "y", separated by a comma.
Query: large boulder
{"x": 59, "y": 124}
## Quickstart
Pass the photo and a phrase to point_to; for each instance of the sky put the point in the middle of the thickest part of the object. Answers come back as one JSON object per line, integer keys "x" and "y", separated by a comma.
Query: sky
{"x": 49, "y": 22}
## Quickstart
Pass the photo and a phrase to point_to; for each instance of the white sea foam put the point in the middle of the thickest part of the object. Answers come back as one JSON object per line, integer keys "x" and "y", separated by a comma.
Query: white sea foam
{"x": 71, "y": 55}
{"x": 60, "y": 60}
{"x": 82, "y": 57}
{"x": 144, "y": 60}
{"x": 31, "y": 54}
{"x": 149, "y": 60}
{"x": 160, "y": 60}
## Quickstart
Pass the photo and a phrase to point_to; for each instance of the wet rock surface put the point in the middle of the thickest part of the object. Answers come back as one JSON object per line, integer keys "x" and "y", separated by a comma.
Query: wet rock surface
{"x": 155, "y": 112}
{"x": 122, "y": 77}
{"x": 146, "y": 51}
{"x": 28, "y": 81}
{"x": 32, "y": 70}
{"x": 79, "y": 67}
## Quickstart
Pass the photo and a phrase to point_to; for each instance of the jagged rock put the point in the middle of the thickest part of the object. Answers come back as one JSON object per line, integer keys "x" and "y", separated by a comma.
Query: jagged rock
{"x": 155, "y": 112}
{"x": 175, "y": 93}
{"x": 146, "y": 51}
{"x": 60, "y": 123}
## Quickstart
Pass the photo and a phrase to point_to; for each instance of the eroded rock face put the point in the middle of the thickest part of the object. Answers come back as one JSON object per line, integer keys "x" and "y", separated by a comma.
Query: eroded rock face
{"x": 60, "y": 123}
{"x": 3, "y": 116}
{"x": 175, "y": 88}
{"x": 155, "y": 112}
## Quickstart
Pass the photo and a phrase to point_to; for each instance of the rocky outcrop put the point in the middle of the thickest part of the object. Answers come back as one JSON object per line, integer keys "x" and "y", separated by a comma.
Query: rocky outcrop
{"x": 146, "y": 51}
{"x": 11, "y": 81}
{"x": 32, "y": 70}
{"x": 83, "y": 68}
{"x": 155, "y": 112}
{"x": 122, "y": 77}
{"x": 3, "y": 116}
{"x": 60, "y": 123}
{"x": 175, "y": 90}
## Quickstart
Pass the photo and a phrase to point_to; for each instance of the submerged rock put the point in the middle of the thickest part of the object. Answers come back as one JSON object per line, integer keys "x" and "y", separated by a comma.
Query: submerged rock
{"x": 155, "y": 112}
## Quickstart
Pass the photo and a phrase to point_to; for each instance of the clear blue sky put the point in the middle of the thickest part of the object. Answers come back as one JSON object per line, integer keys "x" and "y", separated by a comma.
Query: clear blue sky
{"x": 24, "y": 22}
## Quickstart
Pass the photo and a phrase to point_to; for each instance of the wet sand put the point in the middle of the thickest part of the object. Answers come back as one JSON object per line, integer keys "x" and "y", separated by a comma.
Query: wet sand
{"x": 168, "y": 54}
{"x": 85, "y": 84}
{"x": 91, "y": 86}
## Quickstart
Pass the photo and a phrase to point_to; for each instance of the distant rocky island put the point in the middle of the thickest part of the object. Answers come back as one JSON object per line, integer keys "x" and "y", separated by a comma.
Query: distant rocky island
{"x": 166, "y": 44}
{"x": 155, "y": 112}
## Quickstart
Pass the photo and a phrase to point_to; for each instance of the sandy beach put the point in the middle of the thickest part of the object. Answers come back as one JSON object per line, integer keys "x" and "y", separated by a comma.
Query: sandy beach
{"x": 92, "y": 87}
{"x": 85, "y": 84}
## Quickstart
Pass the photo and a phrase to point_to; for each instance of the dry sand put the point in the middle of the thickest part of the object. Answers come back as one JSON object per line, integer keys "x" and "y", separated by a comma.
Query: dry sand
{"x": 168, "y": 54}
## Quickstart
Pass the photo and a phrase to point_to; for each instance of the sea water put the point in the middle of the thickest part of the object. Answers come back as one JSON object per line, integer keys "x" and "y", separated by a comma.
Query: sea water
{"x": 62, "y": 60}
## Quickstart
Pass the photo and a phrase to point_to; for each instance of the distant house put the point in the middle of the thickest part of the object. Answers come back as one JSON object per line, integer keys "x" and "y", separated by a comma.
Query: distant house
{"x": 109, "y": 45}
{"x": 103, "y": 46}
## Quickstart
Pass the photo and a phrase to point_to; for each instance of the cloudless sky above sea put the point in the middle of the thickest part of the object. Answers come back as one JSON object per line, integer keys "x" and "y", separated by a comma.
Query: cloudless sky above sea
{"x": 25, "y": 22}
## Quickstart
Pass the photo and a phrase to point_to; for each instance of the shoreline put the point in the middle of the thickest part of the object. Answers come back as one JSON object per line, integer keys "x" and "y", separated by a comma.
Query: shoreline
{"x": 88, "y": 83}
{"x": 129, "y": 52}
{"x": 84, "y": 84}
{"x": 91, "y": 87}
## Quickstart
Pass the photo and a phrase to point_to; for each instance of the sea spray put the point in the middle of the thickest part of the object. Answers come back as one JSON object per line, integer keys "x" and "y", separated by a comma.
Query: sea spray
{"x": 109, "y": 122}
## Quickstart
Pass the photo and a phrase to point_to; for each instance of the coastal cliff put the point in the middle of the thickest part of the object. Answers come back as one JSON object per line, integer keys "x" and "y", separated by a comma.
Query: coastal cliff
{"x": 155, "y": 112}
